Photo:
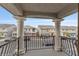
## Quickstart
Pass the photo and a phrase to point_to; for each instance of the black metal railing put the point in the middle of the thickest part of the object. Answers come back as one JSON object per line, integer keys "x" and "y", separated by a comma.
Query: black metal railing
{"x": 69, "y": 46}
{"x": 17, "y": 46}
{"x": 7, "y": 47}
{"x": 38, "y": 42}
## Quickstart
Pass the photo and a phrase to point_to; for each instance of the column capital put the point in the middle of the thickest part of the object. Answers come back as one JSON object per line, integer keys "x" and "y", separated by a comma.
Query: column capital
{"x": 57, "y": 19}
{"x": 19, "y": 17}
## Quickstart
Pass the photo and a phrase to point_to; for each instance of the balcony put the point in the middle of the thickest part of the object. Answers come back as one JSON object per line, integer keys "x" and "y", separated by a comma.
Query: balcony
{"x": 35, "y": 45}
{"x": 39, "y": 46}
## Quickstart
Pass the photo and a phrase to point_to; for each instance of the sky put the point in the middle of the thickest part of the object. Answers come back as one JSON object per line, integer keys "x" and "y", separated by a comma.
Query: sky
{"x": 7, "y": 18}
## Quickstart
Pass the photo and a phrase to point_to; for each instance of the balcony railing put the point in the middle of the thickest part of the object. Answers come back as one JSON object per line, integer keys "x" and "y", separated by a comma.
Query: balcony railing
{"x": 8, "y": 48}
{"x": 38, "y": 42}
{"x": 69, "y": 46}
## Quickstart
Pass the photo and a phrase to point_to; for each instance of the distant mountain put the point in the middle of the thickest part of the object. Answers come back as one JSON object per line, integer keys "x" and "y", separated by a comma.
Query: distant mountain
{"x": 3, "y": 26}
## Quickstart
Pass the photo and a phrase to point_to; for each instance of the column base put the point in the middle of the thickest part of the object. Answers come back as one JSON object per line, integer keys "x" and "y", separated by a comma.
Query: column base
{"x": 21, "y": 52}
{"x": 58, "y": 49}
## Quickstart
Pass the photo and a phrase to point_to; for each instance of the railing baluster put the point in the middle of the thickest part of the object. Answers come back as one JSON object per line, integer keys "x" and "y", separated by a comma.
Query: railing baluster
{"x": 8, "y": 48}
{"x": 33, "y": 39}
{"x": 2, "y": 51}
{"x": 74, "y": 51}
{"x": 69, "y": 46}
{"x": 5, "y": 50}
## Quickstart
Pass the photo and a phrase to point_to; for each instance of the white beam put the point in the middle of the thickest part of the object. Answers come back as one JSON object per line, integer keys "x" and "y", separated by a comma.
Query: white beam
{"x": 34, "y": 14}
{"x": 12, "y": 8}
{"x": 68, "y": 10}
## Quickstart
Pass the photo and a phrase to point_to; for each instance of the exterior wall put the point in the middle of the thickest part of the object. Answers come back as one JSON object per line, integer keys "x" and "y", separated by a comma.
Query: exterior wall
{"x": 30, "y": 31}
{"x": 47, "y": 32}
{"x": 3, "y": 33}
{"x": 27, "y": 32}
{"x": 67, "y": 31}
{"x": 14, "y": 34}
{"x": 6, "y": 30}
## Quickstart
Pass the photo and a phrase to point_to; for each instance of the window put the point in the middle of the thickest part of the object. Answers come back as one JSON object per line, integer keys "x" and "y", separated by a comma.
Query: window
{"x": 26, "y": 29}
{"x": 33, "y": 29}
{"x": 29, "y": 29}
{"x": 2, "y": 34}
{"x": 73, "y": 30}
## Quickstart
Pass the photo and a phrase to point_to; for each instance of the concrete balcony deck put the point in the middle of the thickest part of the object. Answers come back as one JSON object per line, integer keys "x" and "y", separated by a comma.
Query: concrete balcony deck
{"x": 44, "y": 52}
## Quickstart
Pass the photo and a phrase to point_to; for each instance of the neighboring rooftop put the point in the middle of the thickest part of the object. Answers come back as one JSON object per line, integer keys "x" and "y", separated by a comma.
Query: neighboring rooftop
{"x": 63, "y": 27}
{"x": 68, "y": 27}
{"x": 6, "y": 26}
{"x": 46, "y": 26}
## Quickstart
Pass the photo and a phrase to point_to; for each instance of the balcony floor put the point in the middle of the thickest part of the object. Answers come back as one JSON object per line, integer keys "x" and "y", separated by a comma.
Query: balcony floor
{"x": 44, "y": 52}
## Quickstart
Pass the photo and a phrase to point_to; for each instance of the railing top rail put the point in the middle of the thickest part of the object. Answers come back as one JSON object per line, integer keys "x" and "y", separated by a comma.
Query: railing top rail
{"x": 39, "y": 36}
{"x": 68, "y": 38}
{"x": 9, "y": 41}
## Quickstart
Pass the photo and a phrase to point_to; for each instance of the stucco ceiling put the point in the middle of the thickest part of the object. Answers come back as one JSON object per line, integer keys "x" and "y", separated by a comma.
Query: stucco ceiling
{"x": 43, "y": 10}
{"x": 43, "y": 7}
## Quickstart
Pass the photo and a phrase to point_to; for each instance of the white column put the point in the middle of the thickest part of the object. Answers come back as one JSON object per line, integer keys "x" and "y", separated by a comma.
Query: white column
{"x": 57, "y": 46}
{"x": 20, "y": 33}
